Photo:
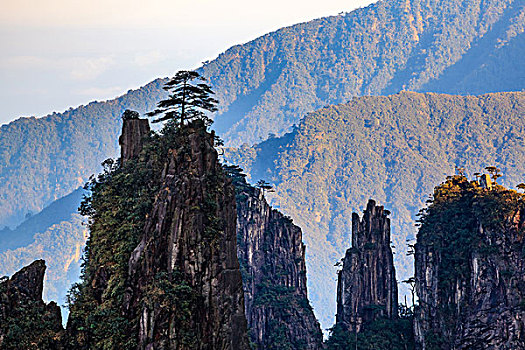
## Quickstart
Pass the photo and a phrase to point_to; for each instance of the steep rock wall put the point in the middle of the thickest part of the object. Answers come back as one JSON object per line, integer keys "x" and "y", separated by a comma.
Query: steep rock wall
{"x": 272, "y": 257}
{"x": 132, "y": 138}
{"x": 190, "y": 240}
{"x": 26, "y": 322}
{"x": 470, "y": 268}
{"x": 161, "y": 268}
{"x": 367, "y": 286}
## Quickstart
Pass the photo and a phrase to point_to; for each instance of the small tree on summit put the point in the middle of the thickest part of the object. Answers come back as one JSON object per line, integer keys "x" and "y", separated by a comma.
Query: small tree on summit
{"x": 187, "y": 101}
{"x": 495, "y": 172}
{"x": 129, "y": 114}
{"x": 264, "y": 186}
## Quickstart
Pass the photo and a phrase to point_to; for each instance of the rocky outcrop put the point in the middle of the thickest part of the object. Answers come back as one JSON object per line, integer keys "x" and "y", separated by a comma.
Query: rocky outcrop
{"x": 186, "y": 283}
{"x": 367, "y": 287}
{"x": 26, "y": 322}
{"x": 272, "y": 257}
{"x": 132, "y": 138}
{"x": 470, "y": 269}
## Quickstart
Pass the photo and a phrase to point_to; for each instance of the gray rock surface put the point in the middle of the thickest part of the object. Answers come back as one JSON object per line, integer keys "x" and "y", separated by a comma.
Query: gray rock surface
{"x": 190, "y": 236}
{"x": 26, "y": 322}
{"x": 486, "y": 310}
{"x": 367, "y": 286}
{"x": 272, "y": 255}
{"x": 132, "y": 138}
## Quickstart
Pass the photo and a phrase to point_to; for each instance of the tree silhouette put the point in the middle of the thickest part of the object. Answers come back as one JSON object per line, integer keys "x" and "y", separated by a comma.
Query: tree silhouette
{"x": 521, "y": 186}
{"x": 188, "y": 100}
{"x": 236, "y": 174}
{"x": 129, "y": 114}
{"x": 495, "y": 172}
{"x": 412, "y": 286}
{"x": 264, "y": 186}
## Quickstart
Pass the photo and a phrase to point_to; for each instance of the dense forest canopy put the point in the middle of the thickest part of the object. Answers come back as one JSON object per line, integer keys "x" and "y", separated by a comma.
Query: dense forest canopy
{"x": 450, "y": 46}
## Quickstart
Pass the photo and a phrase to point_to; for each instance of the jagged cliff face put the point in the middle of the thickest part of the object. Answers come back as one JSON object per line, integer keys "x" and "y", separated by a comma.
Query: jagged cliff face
{"x": 26, "y": 322}
{"x": 162, "y": 269}
{"x": 161, "y": 262}
{"x": 367, "y": 287}
{"x": 470, "y": 269}
{"x": 272, "y": 253}
{"x": 191, "y": 236}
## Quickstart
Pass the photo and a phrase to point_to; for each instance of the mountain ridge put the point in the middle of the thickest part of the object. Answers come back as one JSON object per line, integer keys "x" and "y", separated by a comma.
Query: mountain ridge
{"x": 393, "y": 148}
{"x": 269, "y": 83}
{"x": 362, "y": 53}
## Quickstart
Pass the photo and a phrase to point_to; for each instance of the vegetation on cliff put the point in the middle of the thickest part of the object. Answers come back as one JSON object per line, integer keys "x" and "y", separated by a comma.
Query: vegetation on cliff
{"x": 392, "y": 148}
{"x": 272, "y": 261}
{"x": 26, "y": 322}
{"x": 158, "y": 268}
{"x": 469, "y": 255}
{"x": 121, "y": 196}
{"x": 380, "y": 334}
{"x": 268, "y": 84}
{"x": 451, "y": 224}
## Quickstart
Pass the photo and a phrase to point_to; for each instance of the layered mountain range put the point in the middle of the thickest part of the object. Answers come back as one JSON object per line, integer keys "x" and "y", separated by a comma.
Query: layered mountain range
{"x": 270, "y": 83}
{"x": 391, "y": 148}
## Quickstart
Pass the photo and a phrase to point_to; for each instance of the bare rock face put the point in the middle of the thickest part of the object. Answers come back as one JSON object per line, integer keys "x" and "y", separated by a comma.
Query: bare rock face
{"x": 272, "y": 255}
{"x": 476, "y": 300}
{"x": 26, "y": 322}
{"x": 131, "y": 140}
{"x": 367, "y": 287}
{"x": 186, "y": 283}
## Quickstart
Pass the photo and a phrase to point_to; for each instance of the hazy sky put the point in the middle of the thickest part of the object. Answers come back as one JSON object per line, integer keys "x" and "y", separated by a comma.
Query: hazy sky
{"x": 57, "y": 54}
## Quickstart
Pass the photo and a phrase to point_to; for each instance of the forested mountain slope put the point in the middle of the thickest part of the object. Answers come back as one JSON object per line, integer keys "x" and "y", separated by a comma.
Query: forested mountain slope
{"x": 268, "y": 84}
{"x": 43, "y": 159}
{"x": 59, "y": 210}
{"x": 452, "y": 46}
{"x": 394, "y": 149}
{"x": 61, "y": 245}
{"x": 56, "y": 234}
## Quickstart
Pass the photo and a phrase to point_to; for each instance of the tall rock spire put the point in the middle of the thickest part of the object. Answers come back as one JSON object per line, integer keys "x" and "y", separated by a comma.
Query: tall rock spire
{"x": 272, "y": 257}
{"x": 131, "y": 141}
{"x": 367, "y": 286}
{"x": 190, "y": 241}
{"x": 26, "y": 322}
{"x": 161, "y": 267}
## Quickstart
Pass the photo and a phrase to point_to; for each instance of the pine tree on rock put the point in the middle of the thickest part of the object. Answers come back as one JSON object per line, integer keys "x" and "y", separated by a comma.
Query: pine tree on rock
{"x": 189, "y": 99}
